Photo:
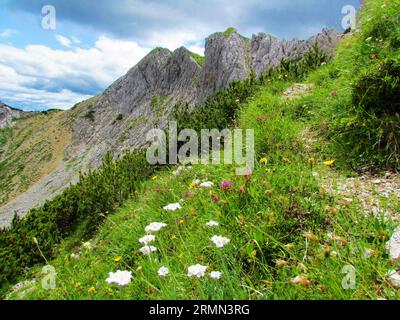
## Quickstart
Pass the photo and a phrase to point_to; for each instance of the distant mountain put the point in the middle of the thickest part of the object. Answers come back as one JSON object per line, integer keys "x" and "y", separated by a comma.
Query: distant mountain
{"x": 119, "y": 118}
{"x": 9, "y": 114}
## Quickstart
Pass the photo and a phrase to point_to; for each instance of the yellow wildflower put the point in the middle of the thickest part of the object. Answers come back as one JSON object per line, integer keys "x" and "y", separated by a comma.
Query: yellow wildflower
{"x": 154, "y": 178}
{"x": 329, "y": 163}
{"x": 92, "y": 290}
{"x": 118, "y": 259}
{"x": 264, "y": 160}
{"x": 173, "y": 238}
{"x": 193, "y": 185}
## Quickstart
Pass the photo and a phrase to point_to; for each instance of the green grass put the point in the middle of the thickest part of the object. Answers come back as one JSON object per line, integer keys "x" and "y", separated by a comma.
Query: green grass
{"x": 229, "y": 31}
{"x": 201, "y": 60}
{"x": 261, "y": 216}
{"x": 5, "y": 134}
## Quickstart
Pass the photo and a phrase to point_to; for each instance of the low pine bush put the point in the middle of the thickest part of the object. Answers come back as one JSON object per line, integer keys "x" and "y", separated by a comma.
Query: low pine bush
{"x": 77, "y": 212}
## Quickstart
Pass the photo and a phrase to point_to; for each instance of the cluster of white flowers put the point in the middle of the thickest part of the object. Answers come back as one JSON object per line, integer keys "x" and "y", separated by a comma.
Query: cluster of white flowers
{"x": 147, "y": 239}
{"x": 207, "y": 184}
{"x": 173, "y": 207}
{"x": 121, "y": 278}
{"x": 163, "y": 271}
{"x": 212, "y": 224}
{"x": 219, "y": 241}
{"x": 87, "y": 245}
{"x": 146, "y": 250}
{"x": 75, "y": 256}
{"x": 216, "y": 275}
{"x": 155, "y": 227}
{"x": 197, "y": 270}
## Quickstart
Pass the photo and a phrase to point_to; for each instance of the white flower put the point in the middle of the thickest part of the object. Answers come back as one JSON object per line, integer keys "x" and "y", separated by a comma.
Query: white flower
{"x": 163, "y": 271}
{"x": 197, "y": 270}
{"x": 196, "y": 183}
{"x": 207, "y": 184}
{"x": 121, "y": 278}
{"x": 393, "y": 245}
{"x": 220, "y": 241}
{"x": 87, "y": 245}
{"x": 75, "y": 256}
{"x": 334, "y": 254}
{"x": 147, "y": 239}
{"x": 173, "y": 207}
{"x": 368, "y": 253}
{"x": 394, "y": 279}
{"x": 212, "y": 224}
{"x": 155, "y": 227}
{"x": 146, "y": 250}
{"x": 216, "y": 275}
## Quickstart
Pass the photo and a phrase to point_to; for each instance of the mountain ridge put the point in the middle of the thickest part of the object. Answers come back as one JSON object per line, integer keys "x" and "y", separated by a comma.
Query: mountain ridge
{"x": 118, "y": 119}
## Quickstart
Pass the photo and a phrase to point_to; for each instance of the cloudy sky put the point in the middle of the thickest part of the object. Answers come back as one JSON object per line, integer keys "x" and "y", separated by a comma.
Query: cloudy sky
{"x": 97, "y": 41}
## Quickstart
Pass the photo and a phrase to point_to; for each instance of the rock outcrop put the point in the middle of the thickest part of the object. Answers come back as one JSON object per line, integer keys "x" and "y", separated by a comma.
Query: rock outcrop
{"x": 8, "y": 115}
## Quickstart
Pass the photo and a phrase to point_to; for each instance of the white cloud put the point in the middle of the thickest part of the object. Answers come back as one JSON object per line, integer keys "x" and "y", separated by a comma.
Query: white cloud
{"x": 64, "y": 41}
{"x": 172, "y": 40}
{"x": 6, "y": 33}
{"x": 196, "y": 49}
{"x": 43, "y": 77}
{"x": 75, "y": 40}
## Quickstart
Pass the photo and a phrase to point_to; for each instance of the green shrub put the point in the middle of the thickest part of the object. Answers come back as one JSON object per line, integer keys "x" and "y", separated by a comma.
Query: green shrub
{"x": 77, "y": 212}
{"x": 90, "y": 114}
{"x": 378, "y": 89}
{"x": 366, "y": 128}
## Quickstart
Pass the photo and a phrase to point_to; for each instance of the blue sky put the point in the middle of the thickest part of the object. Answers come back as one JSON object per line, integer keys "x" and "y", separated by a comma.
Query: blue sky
{"x": 96, "y": 42}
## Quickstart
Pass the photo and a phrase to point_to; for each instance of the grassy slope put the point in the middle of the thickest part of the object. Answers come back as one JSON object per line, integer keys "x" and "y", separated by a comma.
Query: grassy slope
{"x": 33, "y": 149}
{"x": 280, "y": 205}
{"x": 280, "y": 214}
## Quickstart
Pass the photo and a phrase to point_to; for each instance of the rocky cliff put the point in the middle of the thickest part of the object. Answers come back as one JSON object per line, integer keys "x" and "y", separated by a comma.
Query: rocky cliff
{"x": 119, "y": 118}
{"x": 8, "y": 115}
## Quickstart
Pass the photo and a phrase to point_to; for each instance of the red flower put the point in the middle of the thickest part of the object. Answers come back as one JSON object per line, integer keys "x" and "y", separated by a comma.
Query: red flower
{"x": 215, "y": 197}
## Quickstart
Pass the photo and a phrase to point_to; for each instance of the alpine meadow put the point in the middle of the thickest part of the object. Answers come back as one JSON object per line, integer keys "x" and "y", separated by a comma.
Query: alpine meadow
{"x": 85, "y": 216}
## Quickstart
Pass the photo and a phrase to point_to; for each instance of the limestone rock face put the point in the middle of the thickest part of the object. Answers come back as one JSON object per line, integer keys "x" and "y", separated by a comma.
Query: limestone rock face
{"x": 8, "y": 114}
{"x": 267, "y": 51}
{"x": 141, "y": 100}
{"x": 227, "y": 59}
{"x": 145, "y": 96}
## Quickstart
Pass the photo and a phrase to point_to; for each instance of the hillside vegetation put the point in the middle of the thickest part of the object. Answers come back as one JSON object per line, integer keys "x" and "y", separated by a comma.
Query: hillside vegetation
{"x": 29, "y": 151}
{"x": 287, "y": 232}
